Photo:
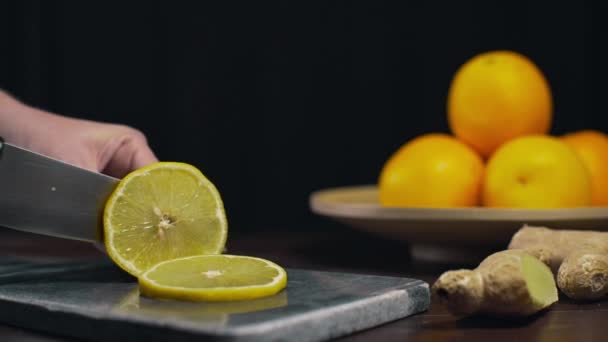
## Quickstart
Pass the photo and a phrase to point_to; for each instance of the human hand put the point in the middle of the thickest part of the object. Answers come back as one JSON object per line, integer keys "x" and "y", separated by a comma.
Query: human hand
{"x": 109, "y": 148}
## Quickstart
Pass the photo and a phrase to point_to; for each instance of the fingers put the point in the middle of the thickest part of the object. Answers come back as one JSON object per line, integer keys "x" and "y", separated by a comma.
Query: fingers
{"x": 143, "y": 156}
{"x": 131, "y": 153}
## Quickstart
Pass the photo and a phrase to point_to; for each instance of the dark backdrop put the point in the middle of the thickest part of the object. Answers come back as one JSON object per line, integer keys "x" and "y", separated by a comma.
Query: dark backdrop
{"x": 273, "y": 100}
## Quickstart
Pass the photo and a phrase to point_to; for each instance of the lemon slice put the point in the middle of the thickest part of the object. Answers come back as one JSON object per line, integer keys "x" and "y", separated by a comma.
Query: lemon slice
{"x": 161, "y": 212}
{"x": 213, "y": 278}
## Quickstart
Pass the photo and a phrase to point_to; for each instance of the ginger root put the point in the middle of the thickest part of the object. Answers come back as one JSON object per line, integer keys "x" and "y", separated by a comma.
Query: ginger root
{"x": 578, "y": 258}
{"x": 508, "y": 283}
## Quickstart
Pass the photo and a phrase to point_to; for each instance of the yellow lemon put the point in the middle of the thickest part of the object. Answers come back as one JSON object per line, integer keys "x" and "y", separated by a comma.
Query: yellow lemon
{"x": 162, "y": 212}
{"x": 536, "y": 172}
{"x": 433, "y": 170}
{"x": 497, "y": 96}
{"x": 213, "y": 278}
{"x": 592, "y": 148}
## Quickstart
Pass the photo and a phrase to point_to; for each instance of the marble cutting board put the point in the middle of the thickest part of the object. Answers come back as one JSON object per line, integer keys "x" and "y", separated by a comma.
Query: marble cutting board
{"x": 95, "y": 300}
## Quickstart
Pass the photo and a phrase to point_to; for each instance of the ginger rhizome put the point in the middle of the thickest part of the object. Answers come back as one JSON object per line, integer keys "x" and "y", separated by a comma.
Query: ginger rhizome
{"x": 508, "y": 283}
{"x": 578, "y": 258}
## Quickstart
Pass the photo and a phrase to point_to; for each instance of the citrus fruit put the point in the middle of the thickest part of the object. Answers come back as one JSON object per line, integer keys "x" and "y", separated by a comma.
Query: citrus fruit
{"x": 433, "y": 170}
{"x": 592, "y": 147}
{"x": 213, "y": 278}
{"x": 536, "y": 172}
{"x": 160, "y": 212}
{"x": 497, "y": 96}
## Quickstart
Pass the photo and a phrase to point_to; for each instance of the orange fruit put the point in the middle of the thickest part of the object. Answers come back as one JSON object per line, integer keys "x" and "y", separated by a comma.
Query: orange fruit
{"x": 495, "y": 97}
{"x": 433, "y": 170}
{"x": 536, "y": 172}
{"x": 592, "y": 147}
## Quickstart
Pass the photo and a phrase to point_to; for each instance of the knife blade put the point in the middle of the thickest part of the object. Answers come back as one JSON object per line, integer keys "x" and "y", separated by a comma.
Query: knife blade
{"x": 46, "y": 196}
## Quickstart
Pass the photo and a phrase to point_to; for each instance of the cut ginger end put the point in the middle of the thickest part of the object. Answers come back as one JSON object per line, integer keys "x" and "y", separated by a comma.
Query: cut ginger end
{"x": 540, "y": 281}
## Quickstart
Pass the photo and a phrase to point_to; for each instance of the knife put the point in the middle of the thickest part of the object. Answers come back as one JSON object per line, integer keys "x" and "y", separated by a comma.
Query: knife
{"x": 46, "y": 196}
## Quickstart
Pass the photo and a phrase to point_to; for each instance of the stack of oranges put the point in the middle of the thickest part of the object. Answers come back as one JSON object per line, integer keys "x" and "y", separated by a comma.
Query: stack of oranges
{"x": 500, "y": 154}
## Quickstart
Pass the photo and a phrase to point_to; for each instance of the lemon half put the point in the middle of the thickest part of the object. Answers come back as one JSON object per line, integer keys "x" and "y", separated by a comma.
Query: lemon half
{"x": 161, "y": 212}
{"x": 213, "y": 278}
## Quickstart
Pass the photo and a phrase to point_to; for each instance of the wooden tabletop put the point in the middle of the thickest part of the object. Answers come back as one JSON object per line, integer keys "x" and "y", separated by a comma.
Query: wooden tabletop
{"x": 343, "y": 250}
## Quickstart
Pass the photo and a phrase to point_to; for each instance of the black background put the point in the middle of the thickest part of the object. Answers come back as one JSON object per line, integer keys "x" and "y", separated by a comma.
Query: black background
{"x": 273, "y": 100}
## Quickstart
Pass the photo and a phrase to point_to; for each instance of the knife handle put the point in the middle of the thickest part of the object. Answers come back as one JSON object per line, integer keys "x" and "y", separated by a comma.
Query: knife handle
{"x": 1, "y": 144}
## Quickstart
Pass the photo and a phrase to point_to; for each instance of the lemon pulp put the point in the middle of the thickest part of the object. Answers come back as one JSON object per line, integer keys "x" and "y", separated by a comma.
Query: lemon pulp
{"x": 161, "y": 212}
{"x": 213, "y": 278}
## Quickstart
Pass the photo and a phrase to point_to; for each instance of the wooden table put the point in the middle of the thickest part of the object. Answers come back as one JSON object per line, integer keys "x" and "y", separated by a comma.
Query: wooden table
{"x": 347, "y": 251}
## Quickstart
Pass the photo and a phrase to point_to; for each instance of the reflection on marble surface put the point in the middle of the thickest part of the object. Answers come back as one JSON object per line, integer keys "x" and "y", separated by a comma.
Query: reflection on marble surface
{"x": 211, "y": 314}
{"x": 96, "y": 300}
